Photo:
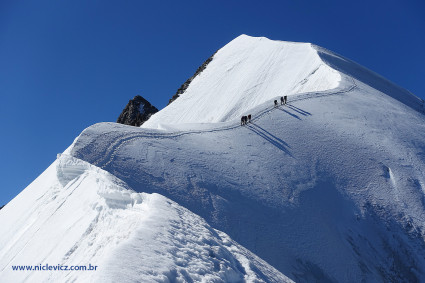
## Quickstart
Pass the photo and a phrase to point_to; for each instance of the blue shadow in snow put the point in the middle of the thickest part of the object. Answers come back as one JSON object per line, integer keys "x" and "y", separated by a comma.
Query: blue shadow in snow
{"x": 287, "y": 112}
{"x": 277, "y": 142}
{"x": 296, "y": 109}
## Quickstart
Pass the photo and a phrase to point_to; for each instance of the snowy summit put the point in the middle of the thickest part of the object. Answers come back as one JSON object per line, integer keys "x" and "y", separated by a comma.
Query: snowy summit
{"x": 244, "y": 74}
{"x": 329, "y": 187}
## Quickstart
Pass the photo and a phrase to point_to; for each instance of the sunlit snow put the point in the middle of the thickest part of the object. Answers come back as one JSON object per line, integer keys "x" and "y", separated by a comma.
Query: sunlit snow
{"x": 328, "y": 188}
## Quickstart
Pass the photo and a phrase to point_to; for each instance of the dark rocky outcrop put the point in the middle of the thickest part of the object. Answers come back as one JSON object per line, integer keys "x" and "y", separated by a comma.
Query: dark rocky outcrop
{"x": 137, "y": 111}
{"x": 1, "y": 206}
{"x": 186, "y": 84}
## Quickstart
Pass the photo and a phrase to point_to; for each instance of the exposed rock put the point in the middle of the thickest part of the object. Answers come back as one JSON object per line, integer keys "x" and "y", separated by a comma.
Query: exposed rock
{"x": 1, "y": 206}
{"x": 137, "y": 111}
{"x": 186, "y": 84}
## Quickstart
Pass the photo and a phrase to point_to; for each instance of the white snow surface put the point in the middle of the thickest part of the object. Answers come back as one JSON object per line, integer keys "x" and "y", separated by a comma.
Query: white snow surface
{"x": 329, "y": 188}
{"x": 78, "y": 214}
{"x": 245, "y": 73}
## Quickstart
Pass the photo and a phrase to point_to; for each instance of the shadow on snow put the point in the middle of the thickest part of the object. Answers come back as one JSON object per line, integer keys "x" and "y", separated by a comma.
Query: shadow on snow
{"x": 299, "y": 110}
{"x": 277, "y": 142}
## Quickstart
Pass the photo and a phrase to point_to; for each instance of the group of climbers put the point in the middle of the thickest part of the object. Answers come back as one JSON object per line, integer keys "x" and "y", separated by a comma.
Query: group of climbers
{"x": 247, "y": 119}
{"x": 283, "y": 101}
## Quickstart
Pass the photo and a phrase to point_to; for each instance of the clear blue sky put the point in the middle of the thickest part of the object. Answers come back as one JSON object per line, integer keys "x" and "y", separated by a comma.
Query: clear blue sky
{"x": 65, "y": 65}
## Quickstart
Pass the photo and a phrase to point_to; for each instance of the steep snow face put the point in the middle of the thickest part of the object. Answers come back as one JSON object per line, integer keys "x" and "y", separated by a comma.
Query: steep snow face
{"x": 243, "y": 74}
{"x": 76, "y": 214}
{"x": 372, "y": 79}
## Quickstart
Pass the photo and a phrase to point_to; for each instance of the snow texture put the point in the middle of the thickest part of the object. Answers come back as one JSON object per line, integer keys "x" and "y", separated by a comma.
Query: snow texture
{"x": 76, "y": 214}
{"x": 328, "y": 188}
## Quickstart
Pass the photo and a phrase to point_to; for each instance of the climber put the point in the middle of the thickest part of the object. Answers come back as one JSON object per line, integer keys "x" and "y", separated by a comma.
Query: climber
{"x": 244, "y": 120}
{"x": 249, "y": 118}
{"x": 282, "y": 101}
{"x": 275, "y": 103}
{"x": 285, "y": 98}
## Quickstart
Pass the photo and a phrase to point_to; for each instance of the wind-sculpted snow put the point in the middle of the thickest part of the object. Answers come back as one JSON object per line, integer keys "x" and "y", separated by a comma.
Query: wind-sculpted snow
{"x": 94, "y": 218}
{"x": 328, "y": 188}
{"x": 370, "y": 78}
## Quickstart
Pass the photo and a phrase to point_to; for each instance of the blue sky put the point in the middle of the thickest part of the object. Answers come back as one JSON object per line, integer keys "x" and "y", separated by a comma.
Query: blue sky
{"x": 65, "y": 65}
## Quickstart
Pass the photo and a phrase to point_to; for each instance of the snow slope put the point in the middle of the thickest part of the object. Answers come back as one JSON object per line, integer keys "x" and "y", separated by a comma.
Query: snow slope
{"x": 78, "y": 214}
{"x": 330, "y": 188}
{"x": 245, "y": 73}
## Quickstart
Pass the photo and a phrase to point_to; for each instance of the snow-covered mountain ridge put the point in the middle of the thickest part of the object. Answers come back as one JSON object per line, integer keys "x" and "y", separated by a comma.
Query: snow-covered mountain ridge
{"x": 329, "y": 188}
{"x": 250, "y": 71}
{"x": 83, "y": 215}
{"x": 245, "y": 73}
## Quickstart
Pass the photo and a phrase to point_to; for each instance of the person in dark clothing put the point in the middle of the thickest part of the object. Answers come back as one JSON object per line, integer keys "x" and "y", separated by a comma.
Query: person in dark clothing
{"x": 282, "y": 101}
{"x": 244, "y": 120}
{"x": 285, "y": 98}
{"x": 249, "y": 118}
{"x": 275, "y": 103}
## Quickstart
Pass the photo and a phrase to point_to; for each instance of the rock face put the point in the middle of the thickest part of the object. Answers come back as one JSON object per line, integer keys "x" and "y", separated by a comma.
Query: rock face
{"x": 186, "y": 84}
{"x": 137, "y": 111}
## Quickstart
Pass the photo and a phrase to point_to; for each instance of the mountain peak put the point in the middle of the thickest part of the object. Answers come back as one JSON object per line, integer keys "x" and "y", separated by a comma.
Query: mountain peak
{"x": 136, "y": 112}
{"x": 245, "y": 73}
{"x": 250, "y": 71}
